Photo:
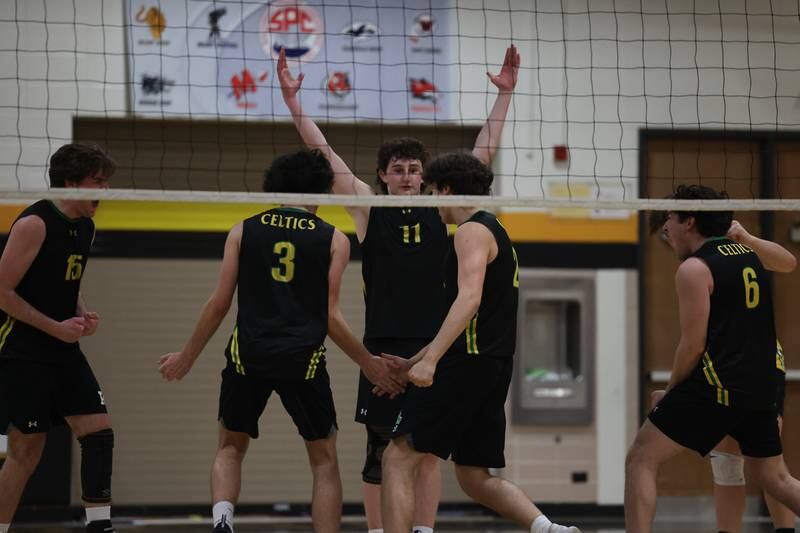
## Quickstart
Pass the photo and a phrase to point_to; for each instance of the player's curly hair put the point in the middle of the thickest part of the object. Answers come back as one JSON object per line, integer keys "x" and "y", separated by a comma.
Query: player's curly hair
{"x": 75, "y": 161}
{"x": 399, "y": 148}
{"x": 709, "y": 223}
{"x": 304, "y": 171}
{"x": 463, "y": 173}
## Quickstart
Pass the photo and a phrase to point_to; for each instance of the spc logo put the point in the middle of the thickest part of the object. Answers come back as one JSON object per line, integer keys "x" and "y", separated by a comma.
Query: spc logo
{"x": 422, "y": 89}
{"x": 338, "y": 84}
{"x": 293, "y": 26}
{"x": 423, "y": 27}
{"x": 154, "y": 18}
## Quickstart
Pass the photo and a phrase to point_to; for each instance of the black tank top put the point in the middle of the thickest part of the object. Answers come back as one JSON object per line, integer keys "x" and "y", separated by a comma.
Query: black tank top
{"x": 403, "y": 256}
{"x": 492, "y": 332}
{"x": 51, "y": 285}
{"x": 740, "y": 350}
{"x": 284, "y": 258}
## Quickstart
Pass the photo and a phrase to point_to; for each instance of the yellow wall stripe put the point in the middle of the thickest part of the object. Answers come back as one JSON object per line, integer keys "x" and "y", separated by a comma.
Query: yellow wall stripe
{"x": 547, "y": 227}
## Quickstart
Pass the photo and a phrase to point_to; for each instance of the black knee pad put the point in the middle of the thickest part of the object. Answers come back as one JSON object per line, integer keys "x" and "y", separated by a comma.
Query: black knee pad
{"x": 97, "y": 455}
{"x": 378, "y": 438}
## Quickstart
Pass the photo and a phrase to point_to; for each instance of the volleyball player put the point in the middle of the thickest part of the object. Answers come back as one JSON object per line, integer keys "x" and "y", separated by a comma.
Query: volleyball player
{"x": 727, "y": 462}
{"x": 403, "y": 250}
{"x": 44, "y": 377}
{"x": 457, "y": 406}
{"x": 723, "y": 378}
{"x": 288, "y": 266}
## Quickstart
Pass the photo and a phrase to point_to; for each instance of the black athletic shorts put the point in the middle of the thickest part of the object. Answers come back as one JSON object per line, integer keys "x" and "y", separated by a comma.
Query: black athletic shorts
{"x": 694, "y": 419}
{"x": 309, "y": 402}
{"x": 462, "y": 414}
{"x": 382, "y": 410}
{"x": 36, "y": 396}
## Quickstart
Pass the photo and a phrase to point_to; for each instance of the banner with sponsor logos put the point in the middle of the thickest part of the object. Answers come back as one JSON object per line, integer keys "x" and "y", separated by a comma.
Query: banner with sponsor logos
{"x": 379, "y": 60}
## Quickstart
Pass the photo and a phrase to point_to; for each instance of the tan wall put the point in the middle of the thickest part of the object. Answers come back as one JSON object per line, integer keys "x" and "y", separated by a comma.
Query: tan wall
{"x": 166, "y": 432}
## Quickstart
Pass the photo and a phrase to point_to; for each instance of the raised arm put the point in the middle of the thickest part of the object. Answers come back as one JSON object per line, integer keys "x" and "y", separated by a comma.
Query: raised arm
{"x": 489, "y": 136}
{"x": 345, "y": 182}
{"x": 24, "y": 243}
{"x": 176, "y": 365}
{"x": 377, "y": 369}
{"x": 771, "y": 254}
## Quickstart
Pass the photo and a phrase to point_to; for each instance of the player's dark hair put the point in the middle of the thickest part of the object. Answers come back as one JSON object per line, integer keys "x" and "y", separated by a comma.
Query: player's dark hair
{"x": 399, "y": 148}
{"x": 304, "y": 171}
{"x": 709, "y": 223}
{"x": 75, "y": 161}
{"x": 463, "y": 173}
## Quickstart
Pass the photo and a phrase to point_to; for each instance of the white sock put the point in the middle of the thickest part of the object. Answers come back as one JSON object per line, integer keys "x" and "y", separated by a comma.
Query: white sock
{"x": 375, "y": 530}
{"x": 543, "y": 525}
{"x": 94, "y": 514}
{"x": 422, "y": 529}
{"x": 4, "y": 528}
{"x": 223, "y": 511}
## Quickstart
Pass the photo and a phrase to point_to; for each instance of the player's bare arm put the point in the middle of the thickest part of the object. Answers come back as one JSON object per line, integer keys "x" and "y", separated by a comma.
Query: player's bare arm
{"x": 378, "y": 370}
{"x": 772, "y": 255}
{"x": 344, "y": 182}
{"x": 177, "y": 364}
{"x": 694, "y": 284}
{"x": 475, "y": 247}
{"x": 24, "y": 243}
{"x": 489, "y": 137}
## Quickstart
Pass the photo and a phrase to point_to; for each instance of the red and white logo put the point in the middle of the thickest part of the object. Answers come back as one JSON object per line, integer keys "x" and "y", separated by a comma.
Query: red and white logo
{"x": 293, "y": 26}
{"x": 338, "y": 84}
{"x": 423, "y": 27}
{"x": 422, "y": 89}
{"x": 244, "y": 83}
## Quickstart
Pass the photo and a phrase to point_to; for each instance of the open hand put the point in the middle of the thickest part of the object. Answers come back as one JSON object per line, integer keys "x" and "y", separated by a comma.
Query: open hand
{"x": 289, "y": 84}
{"x": 507, "y": 79}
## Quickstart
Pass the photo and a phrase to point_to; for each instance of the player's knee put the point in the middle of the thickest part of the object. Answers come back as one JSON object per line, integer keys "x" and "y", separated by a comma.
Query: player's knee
{"x": 471, "y": 479}
{"x": 97, "y": 457}
{"x": 27, "y": 457}
{"x": 728, "y": 469}
{"x": 322, "y": 454}
{"x": 377, "y": 441}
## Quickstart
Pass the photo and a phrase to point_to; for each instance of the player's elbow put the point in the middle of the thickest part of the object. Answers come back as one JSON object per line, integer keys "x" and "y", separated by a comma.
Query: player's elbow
{"x": 470, "y": 301}
{"x": 218, "y": 307}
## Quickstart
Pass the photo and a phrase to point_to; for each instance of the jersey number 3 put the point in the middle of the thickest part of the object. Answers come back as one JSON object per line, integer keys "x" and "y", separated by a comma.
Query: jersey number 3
{"x": 285, "y": 271}
{"x": 750, "y": 288}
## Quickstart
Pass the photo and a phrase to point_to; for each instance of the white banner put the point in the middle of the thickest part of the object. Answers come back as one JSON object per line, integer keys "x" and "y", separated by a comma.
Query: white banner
{"x": 3, "y": 444}
{"x": 389, "y": 61}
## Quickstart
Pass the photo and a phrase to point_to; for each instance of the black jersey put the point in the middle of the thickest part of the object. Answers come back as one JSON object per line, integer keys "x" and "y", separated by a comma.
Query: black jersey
{"x": 403, "y": 256}
{"x": 51, "y": 285}
{"x": 492, "y": 332}
{"x": 740, "y": 355}
{"x": 284, "y": 258}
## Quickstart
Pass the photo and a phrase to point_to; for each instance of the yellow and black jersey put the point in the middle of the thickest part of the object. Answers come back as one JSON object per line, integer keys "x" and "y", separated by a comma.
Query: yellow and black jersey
{"x": 492, "y": 332}
{"x": 740, "y": 356}
{"x": 51, "y": 285}
{"x": 403, "y": 256}
{"x": 284, "y": 258}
